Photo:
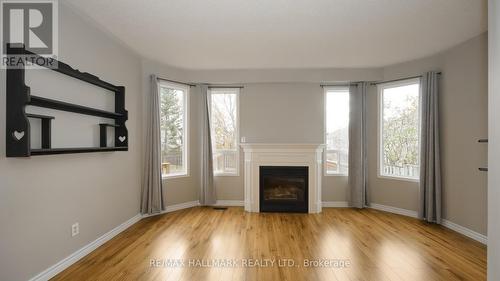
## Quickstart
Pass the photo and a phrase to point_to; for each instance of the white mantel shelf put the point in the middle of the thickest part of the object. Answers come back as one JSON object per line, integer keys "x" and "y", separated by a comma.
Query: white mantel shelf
{"x": 282, "y": 154}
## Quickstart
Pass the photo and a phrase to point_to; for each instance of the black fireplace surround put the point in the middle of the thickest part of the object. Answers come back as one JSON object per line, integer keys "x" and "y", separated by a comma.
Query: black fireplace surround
{"x": 284, "y": 189}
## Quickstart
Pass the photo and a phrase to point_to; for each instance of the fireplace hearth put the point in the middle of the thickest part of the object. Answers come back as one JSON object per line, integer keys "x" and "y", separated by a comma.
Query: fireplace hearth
{"x": 284, "y": 189}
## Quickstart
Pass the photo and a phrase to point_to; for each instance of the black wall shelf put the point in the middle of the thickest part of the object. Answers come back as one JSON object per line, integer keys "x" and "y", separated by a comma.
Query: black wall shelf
{"x": 64, "y": 106}
{"x": 75, "y": 150}
{"x": 18, "y": 124}
{"x": 38, "y": 116}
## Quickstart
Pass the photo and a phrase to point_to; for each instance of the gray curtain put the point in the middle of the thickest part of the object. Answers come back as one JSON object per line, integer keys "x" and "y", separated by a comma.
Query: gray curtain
{"x": 152, "y": 192}
{"x": 207, "y": 192}
{"x": 430, "y": 166}
{"x": 357, "y": 145}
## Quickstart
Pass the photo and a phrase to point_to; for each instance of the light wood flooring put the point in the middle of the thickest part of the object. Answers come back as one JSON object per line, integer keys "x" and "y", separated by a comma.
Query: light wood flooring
{"x": 231, "y": 244}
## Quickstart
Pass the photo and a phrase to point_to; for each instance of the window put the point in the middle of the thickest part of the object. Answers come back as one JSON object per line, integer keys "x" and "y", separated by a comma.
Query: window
{"x": 224, "y": 123}
{"x": 337, "y": 130}
{"x": 174, "y": 128}
{"x": 399, "y": 129}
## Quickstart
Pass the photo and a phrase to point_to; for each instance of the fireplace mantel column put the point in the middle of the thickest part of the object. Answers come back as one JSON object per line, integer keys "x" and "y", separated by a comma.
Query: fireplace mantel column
{"x": 248, "y": 182}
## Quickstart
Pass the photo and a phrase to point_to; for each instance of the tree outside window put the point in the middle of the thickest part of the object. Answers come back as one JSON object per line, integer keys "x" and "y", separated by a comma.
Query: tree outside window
{"x": 400, "y": 130}
{"x": 224, "y": 127}
{"x": 172, "y": 122}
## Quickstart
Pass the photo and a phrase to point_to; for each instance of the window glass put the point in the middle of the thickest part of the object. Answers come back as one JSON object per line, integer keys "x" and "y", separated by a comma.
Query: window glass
{"x": 337, "y": 131}
{"x": 399, "y": 126}
{"x": 224, "y": 128}
{"x": 173, "y": 99}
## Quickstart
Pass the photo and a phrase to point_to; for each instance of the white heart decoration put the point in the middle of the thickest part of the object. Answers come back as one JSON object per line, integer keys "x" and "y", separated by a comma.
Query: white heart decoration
{"x": 122, "y": 138}
{"x": 18, "y": 135}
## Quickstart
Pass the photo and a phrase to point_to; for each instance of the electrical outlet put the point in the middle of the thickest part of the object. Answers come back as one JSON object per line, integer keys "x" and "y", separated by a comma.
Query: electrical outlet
{"x": 75, "y": 229}
{"x": 243, "y": 139}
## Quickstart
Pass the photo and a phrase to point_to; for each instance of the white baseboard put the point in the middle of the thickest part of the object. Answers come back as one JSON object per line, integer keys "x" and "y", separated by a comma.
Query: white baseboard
{"x": 181, "y": 206}
{"x": 446, "y": 223}
{"x": 465, "y": 231}
{"x": 390, "y": 209}
{"x": 230, "y": 203}
{"x": 82, "y": 252}
{"x": 335, "y": 204}
{"x": 176, "y": 207}
{"x": 76, "y": 256}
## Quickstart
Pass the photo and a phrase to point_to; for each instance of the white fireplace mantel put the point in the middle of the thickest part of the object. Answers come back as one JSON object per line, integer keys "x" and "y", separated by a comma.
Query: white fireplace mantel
{"x": 267, "y": 154}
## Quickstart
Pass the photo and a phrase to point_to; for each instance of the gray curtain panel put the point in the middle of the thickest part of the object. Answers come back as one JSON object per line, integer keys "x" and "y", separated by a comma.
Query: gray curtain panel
{"x": 207, "y": 192}
{"x": 152, "y": 192}
{"x": 357, "y": 145}
{"x": 430, "y": 162}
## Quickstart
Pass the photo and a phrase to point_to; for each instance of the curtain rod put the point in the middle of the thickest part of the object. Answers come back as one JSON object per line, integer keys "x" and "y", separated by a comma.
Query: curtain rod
{"x": 343, "y": 84}
{"x": 194, "y": 85}
{"x": 178, "y": 82}
{"x": 226, "y": 86}
{"x": 399, "y": 79}
{"x": 322, "y": 85}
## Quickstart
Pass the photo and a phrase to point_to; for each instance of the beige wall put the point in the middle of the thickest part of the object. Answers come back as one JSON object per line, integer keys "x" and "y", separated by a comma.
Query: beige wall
{"x": 464, "y": 114}
{"x": 291, "y": 113}
{"x": 494, "y": 141}
{"x": 258, "y": 76}
{"x": 282, "y": 106}
{"x": 464, "y": 111}
{"x": 41, "y": 197}
{"x": 284, "y": 113}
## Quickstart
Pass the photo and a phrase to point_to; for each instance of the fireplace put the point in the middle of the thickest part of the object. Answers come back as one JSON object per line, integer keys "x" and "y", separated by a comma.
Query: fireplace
{"x": 284, "y": 155}
{"x": 284, "y": 189}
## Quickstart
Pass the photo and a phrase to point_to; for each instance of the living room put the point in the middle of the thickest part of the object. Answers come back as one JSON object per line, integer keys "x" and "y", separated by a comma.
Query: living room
{"x": 237, "y": 140}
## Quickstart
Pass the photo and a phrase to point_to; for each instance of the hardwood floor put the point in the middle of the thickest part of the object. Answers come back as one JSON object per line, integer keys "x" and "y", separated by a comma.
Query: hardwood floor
{"x": 359, "y": 245}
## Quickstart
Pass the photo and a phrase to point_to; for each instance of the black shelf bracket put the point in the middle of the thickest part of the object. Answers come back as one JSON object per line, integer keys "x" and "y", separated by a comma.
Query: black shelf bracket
{"x": 19, "y": 96}
{"x": 483, "y": 169}
{"x": 103, "y": 134}
{"x": 46, "y": 129}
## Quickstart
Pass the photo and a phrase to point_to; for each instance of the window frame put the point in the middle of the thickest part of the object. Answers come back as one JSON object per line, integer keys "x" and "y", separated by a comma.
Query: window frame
{"x": 185, "y": 134}
{"x": 380, "y": 89}
{"x": 237, "y": 131}
{"x": 327, "y": 89}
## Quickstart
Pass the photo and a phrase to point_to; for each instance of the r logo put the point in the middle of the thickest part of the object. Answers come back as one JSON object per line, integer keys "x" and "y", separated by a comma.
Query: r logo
{"x": 31, "y": 23}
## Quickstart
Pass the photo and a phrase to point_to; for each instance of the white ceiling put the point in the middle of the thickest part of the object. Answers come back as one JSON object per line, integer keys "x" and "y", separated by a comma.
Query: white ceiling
{"x": 241, "y": 34}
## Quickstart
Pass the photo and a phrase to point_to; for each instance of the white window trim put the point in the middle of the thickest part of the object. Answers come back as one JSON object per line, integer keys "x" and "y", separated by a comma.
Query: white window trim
{"x": 186, "y": 131}
{"x": 325, "y": 151}
{"x": 380, "y": 88}
{"x": 237, "y": 132}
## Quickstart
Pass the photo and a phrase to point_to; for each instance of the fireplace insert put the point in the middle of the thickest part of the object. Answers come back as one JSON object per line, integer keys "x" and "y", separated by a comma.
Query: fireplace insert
{"x": 284, "y": 189}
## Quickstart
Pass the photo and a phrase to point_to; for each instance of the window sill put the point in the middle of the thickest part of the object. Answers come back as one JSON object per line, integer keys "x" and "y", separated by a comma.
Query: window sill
{"x": 336, "y": 175}
{"x": 398, "y": 178}
{"x": 226, "y": 174}
{"x": 174, "y": 176}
